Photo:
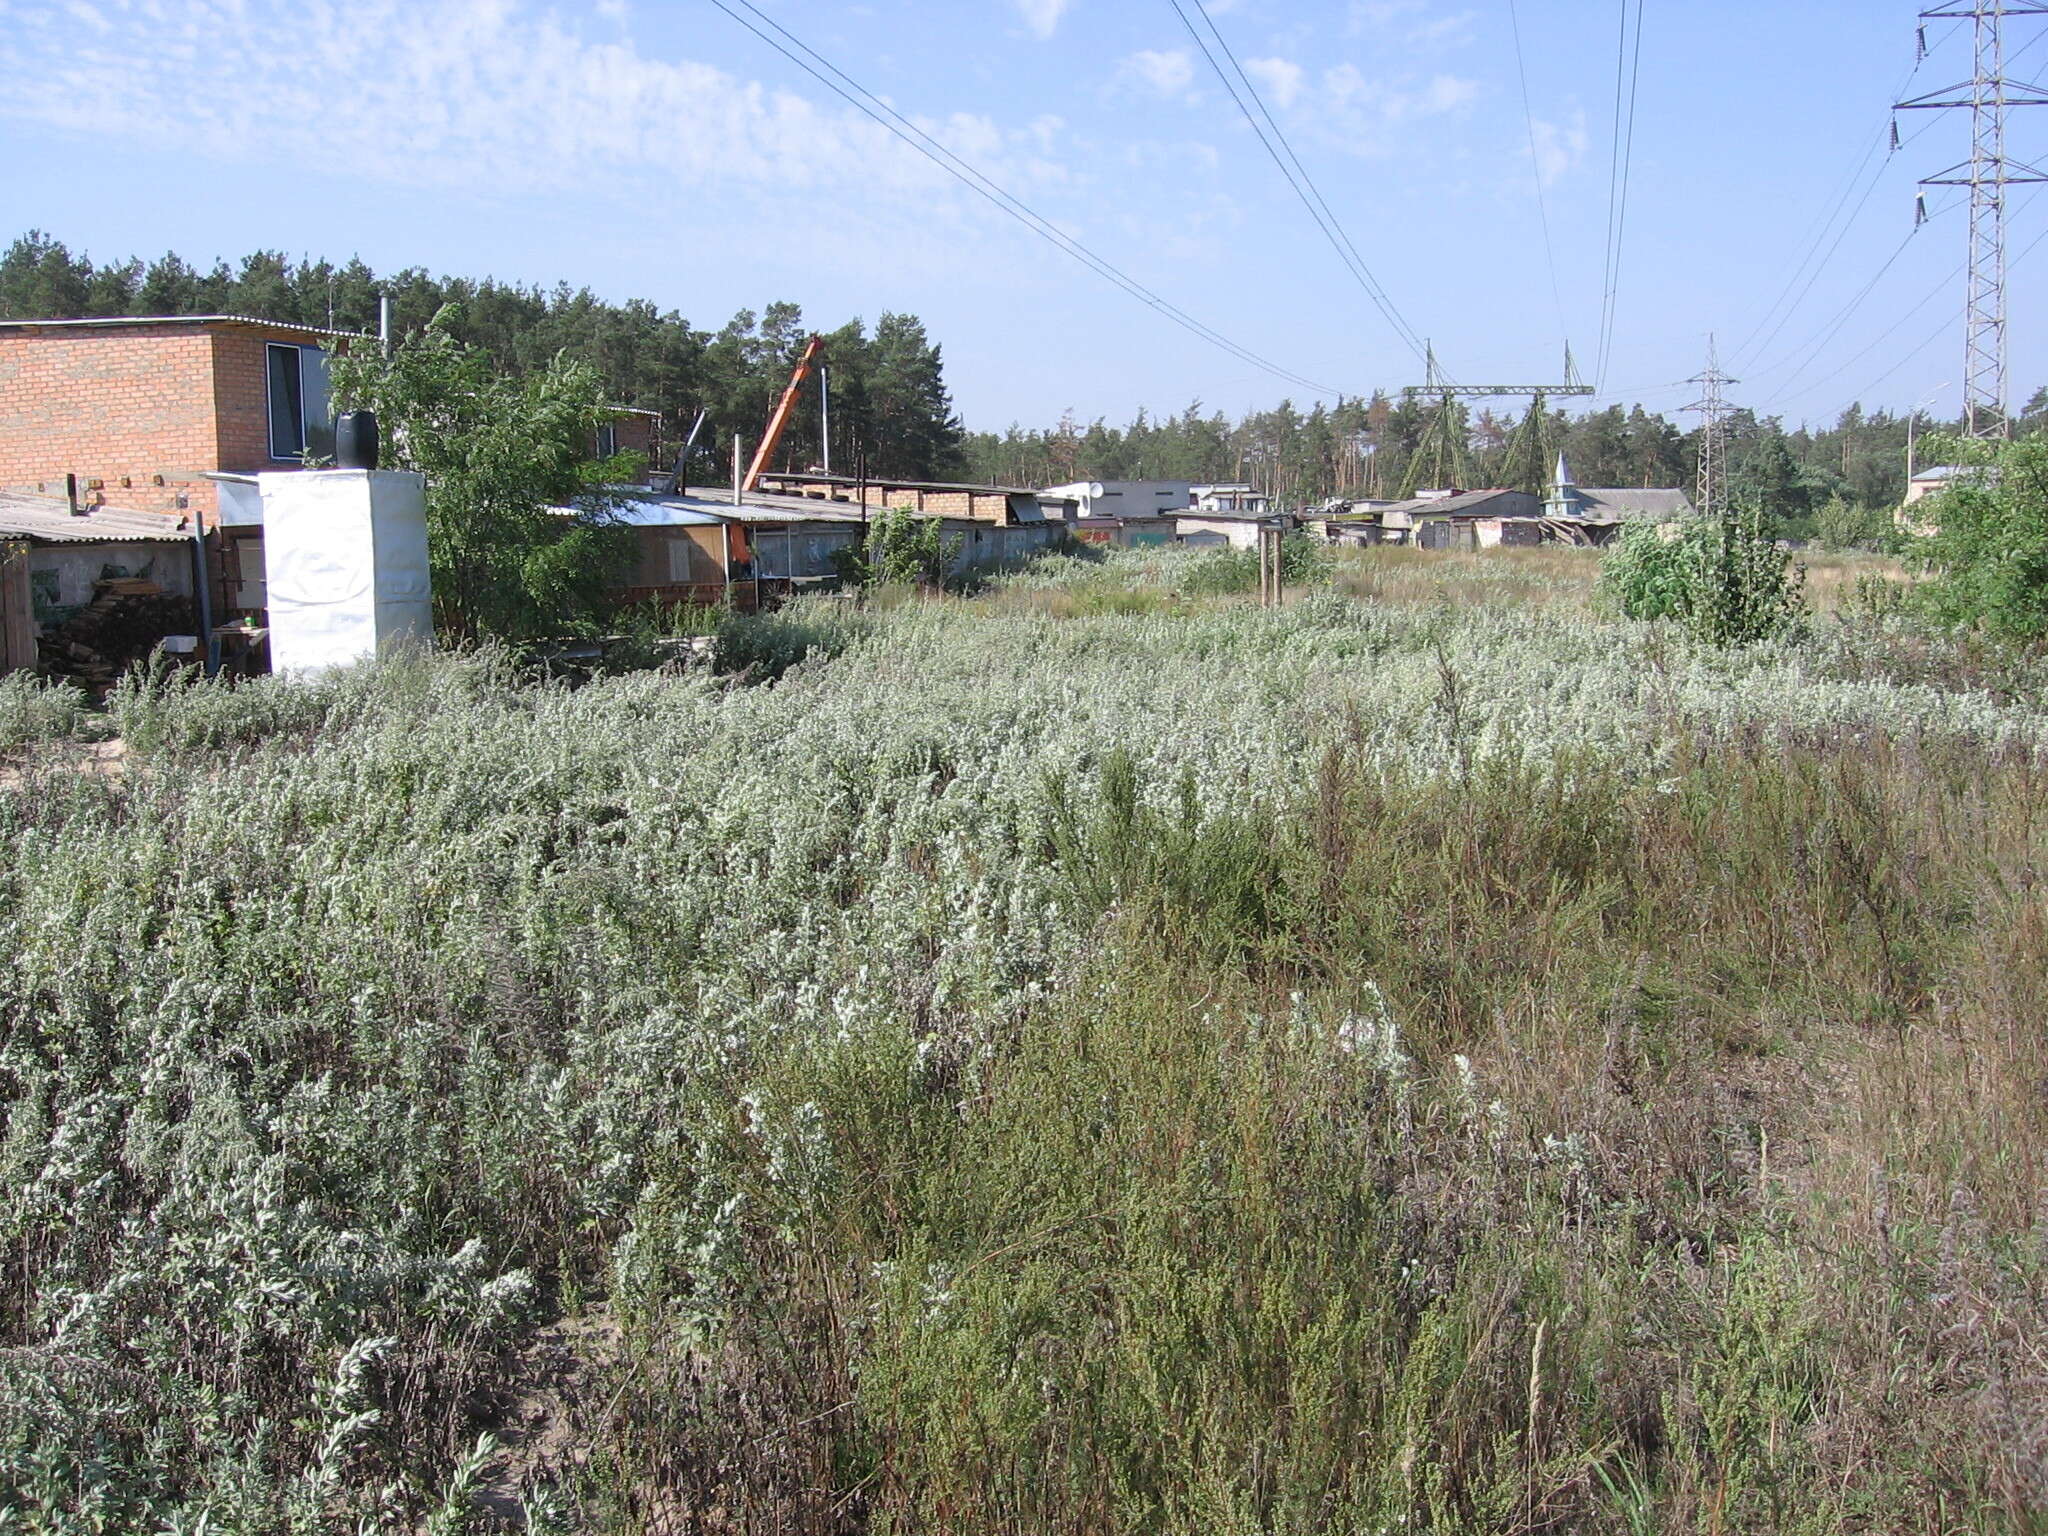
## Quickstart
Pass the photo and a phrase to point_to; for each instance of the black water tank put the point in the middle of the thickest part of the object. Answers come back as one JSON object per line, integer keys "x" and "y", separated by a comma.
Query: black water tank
{"x": 355, "y": 440}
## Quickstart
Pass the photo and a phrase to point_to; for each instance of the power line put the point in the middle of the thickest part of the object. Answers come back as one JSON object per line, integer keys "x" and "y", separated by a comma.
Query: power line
{"x": 1751, "y": 345}
{"x": 1910, "y": 313}
{"x": 1817, "y": 343}
{"x": 1621, "y": 155}
{"x": 869, "y": 105}
{"x": 1886, "y": 130}
{"x": 1947, "y": 320}
{"x": 1295, "y": 173}
{"x": 1535, "y": 167}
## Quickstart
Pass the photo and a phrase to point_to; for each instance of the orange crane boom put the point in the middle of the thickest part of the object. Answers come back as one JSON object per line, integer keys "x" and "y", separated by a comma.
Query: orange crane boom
{"x": 780, "y": 419}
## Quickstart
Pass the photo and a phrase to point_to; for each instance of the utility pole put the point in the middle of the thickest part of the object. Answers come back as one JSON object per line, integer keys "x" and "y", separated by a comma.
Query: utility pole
{"x": 1987, "y": 173}
{"x": 1711, "y": 493}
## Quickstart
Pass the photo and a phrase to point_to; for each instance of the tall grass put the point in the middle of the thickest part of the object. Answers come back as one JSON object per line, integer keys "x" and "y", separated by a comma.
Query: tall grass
{"x": 1363, "y": 1067}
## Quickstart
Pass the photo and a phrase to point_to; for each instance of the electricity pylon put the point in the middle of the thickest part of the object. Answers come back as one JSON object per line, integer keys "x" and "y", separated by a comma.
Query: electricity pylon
{"x": 1436, "y": 383}
{"x": 1711, "y": 490}
{"x": 1987, "y": 173}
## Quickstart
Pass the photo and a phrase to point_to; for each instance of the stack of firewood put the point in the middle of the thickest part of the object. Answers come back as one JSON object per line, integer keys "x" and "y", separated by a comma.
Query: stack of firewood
{"x": 121, "y": 625}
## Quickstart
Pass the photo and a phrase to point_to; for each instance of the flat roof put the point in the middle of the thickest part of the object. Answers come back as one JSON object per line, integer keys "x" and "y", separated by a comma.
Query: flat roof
{"x": 104, "y": 321}
{"x": 650, "y": 509}
{"x": 50, "y": 520}
{"x": 885, "y": 483}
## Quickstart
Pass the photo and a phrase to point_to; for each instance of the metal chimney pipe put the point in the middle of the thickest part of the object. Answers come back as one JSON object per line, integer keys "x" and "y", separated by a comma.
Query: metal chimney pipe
{"x": 384, "y": 322}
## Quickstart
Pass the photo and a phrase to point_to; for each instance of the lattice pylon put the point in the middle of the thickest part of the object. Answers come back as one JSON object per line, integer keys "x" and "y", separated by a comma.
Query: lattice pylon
{"x": 1987, "y": 173}
{"x": 1711, "y": 485}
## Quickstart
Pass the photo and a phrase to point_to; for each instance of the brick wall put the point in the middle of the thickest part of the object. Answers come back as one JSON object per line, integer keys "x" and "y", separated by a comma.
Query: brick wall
{"x": 634, "y": 433}
{"x": 241, "y": 399}
{"x": 145, "y": 410}
{"x": 129, "y": 407}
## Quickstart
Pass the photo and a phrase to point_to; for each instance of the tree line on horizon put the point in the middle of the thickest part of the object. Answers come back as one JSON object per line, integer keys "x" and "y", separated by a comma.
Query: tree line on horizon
{"x": 888, "y": 383}
{"x": 890, "y": 400}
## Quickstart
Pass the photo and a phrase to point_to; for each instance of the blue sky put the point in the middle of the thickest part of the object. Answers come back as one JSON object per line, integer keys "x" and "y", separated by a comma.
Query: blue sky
{"x": 654, "y": 149}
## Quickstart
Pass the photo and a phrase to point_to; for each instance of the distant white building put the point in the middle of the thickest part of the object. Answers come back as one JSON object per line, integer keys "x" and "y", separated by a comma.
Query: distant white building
{"x": 1232, "y": 500}
{"x": 1936, "y": 477}
{"x": 1116, "y": 498}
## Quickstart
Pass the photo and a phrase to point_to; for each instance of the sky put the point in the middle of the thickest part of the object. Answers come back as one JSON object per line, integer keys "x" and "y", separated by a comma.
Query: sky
{"x": 656, "y": 149}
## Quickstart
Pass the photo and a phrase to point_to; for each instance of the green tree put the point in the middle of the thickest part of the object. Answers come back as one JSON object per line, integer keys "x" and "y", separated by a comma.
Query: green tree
{"x": 1768, "y": 479}
{"x": 41, "y": 280}
{"x": 521, "y": 535}
{"x": 1989, "y": 556}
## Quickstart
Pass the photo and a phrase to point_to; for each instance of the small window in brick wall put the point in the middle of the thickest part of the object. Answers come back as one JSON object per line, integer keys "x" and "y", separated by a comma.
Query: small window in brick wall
{"x": 301, "y": 421}
{"x": 607, "y": 440}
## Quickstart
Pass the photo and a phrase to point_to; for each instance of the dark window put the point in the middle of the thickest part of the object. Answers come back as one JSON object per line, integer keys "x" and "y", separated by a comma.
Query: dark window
{"x": 607, "y": 440}
{"x": 301, "y": 421}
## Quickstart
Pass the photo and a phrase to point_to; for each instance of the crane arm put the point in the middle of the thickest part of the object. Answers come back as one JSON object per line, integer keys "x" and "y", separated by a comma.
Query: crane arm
{"x": 780, "y": 419}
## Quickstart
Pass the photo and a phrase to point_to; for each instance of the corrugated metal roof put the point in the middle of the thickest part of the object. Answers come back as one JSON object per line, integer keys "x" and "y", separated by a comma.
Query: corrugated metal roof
{"x": 644, "y": 510}
{"x": 113, "y": 320}
{"x": 664, "y": 512}
{"x": 48, "y": 520}
{"x": 1465, "y": 503}
{"x": 1612, "y": 503}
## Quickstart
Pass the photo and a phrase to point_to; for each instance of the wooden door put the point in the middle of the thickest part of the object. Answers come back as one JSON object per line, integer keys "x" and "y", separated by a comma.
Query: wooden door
{"x": 17, "y": 610}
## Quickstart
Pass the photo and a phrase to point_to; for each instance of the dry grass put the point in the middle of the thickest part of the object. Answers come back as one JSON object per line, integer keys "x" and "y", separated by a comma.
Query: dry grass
{"x": 1556, "y": 577}
{"x": 1544, "y": 577}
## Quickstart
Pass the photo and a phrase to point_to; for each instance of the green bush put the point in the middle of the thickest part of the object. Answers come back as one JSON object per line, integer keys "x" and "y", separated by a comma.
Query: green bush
{"x": 1725, "y": 581}
{"x": 768, "y": 644}
{"x": 1218, "y": 573}
{"x": 33, "y": 709}
{"x": 899, "y": 549}
{"x": 1845, "y": 524}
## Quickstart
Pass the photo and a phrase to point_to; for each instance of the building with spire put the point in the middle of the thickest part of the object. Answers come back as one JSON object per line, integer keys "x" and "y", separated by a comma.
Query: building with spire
{"x": 1609, "y": 506}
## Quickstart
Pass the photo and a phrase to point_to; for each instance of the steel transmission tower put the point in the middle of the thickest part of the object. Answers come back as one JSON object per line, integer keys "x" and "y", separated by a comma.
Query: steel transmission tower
{"x": 1987, "y": 173}
{"x": 1712, "y": 407}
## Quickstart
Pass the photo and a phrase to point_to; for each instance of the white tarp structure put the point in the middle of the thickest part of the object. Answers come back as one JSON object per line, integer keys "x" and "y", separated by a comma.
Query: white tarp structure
{"x": 345, "y": 557}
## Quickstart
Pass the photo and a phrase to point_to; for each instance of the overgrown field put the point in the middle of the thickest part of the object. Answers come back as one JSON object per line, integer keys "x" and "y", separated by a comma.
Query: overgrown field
{"x": 1057, "y": 1062}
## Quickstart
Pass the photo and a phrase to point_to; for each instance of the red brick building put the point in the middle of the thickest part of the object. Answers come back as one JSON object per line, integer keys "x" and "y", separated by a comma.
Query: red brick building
{"x": 141, "y": 409}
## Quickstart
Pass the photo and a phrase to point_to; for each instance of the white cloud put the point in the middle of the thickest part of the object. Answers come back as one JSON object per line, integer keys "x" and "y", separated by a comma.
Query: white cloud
{"x": 1361, "y": 113}
{"x": 489, "y": 96}
{"x": 1413, "y": 20}
{"x": 1043, "y": 16}
{"x": 1169, "y": 73}
{"x": 1559, "y": 147}
{"x": 1281, "y": 78}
